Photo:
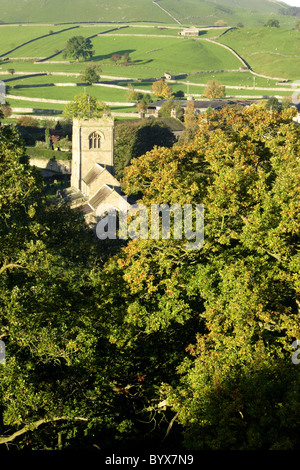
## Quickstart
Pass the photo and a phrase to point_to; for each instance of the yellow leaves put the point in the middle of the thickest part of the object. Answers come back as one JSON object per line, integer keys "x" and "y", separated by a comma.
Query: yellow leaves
{"x": 214, "y": 90}
{"x": 31, "y": 212}
{"x": 72, "y": 345}
{"x": 161, "y": 89}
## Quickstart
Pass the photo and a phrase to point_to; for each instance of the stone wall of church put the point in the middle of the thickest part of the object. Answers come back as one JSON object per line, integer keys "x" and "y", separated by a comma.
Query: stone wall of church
{"x": 84, "y": 157}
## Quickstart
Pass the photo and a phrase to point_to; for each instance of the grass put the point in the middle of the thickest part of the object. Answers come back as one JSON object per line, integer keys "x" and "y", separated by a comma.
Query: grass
{"x": 13, "y": 36}
{"x": 250, "y": 13}
{"x": 45, "y": 47}
{"x": 189, "y": 12}
{"x": 261, "y": 47}
{"x": 43, "y": 80}
{"x": 153, "y": 30}
{"x": 68, "y": 93}
{"x": 78, "y": 10}
{"x": 231, "y": 78}
{"x": 15, "y": 103}
{"x": 153, "y": 56}
{"x": 30, "y": 66}
{"x": 52, "y": 185}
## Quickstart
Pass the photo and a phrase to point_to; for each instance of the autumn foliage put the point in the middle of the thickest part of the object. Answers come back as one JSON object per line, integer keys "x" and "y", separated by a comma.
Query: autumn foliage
{"x": 162, "y": 90}
{"x": 140, "y": 343}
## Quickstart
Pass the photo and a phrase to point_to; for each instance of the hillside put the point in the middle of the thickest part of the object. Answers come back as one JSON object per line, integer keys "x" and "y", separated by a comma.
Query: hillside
{"x": 201, "y": 12}
{"x": 270, "y": 51}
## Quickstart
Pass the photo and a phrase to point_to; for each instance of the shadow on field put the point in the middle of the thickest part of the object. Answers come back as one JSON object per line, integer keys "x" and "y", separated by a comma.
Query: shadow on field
{"x": 108, "y": 56}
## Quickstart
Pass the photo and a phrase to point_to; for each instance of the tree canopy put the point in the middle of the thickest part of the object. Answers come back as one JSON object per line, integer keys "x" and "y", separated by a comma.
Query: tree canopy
{"x": 170, "y": 105}
{"x": 79, "y": 47}
{"x": 214, "y": 90}
{"x": 238, "y": 384}
{"x": 85, "y": 106}
{"x": 135, "y": 139}
{"x": 91, "y": 74}
{"x": 162, "y": 90}
{"x": 147, "y": 343}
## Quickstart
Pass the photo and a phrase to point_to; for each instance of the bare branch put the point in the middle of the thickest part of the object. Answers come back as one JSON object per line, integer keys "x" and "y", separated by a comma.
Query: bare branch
{"x": 9, "y": 266}
{"x": 171, "y": 425}
{"x": 35, "y": 425}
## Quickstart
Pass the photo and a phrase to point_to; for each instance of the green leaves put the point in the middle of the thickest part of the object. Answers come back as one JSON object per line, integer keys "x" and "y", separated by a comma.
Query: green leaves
{"x": 108, "y": 336}
{"x": 242, "y": 287}
{"x": 77, "y": 47}
{"x": 85, "y": 106}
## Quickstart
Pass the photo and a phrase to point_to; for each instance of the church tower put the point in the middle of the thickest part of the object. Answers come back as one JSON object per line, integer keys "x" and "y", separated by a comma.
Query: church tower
{"x": 92, "y": 143}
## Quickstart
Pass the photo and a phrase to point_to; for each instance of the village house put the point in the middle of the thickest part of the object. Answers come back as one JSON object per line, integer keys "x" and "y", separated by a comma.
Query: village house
{"x": 192, "y": 31}
{"x": 200, "y": 105}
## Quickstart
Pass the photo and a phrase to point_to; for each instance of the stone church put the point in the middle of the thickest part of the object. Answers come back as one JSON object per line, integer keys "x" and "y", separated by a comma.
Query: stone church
{"x": 93, "y": 184}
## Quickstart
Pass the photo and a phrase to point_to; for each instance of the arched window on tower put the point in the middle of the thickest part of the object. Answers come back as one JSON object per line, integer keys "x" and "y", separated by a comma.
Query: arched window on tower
{"x": 95, "y": 140}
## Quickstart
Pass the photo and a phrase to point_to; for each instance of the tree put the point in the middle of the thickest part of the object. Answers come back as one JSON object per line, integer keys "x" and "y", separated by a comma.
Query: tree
{"x": 133, "y": 95}
{"x": 127, "y": 59}
{"x": 6, "y": 110}
{"x": 144, "y": 102}
{"x": 116, "y": 58}
{"x": 273, "y": 104}
{"x": 286, "y": 102}
{"x": 162, "y": 90}
{"x": 47, "y": 138}
{"x": 142, "y": 99}
{"x": 85, "y": 106}
{"x": 220, "y": 23}
{"x": 59, "y": 360}
{"x": 11, "y": 71}
{"x": 27, "y": 121}
{"x": 170, "y": 105}
{"x": 150, "y": 342}
{"x": 77, "y": 47}
{"x": 272, "y": 23}
{"x": 189, "y": 114}
{"x": 91, "y": 74}
{"x": 240, "y": 292}
{"x": 191, "y": 124}
{"x": 136, "y": 138}
{"x": 214, "y": 90}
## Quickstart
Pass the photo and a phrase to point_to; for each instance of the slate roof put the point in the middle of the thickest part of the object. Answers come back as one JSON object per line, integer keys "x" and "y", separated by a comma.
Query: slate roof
{"x": 204, "y": 104}
{"x": 86, "y": 209}
{"x": 100, "y": 196}
{"x": 93, "y": 173}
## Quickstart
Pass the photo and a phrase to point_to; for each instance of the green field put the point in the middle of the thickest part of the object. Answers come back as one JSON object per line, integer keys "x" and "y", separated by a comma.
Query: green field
{"x": 13, "y": 36}
{"x": 34, "y": 104}
{"x": 155, "y": 56}
{"x": 68, "y": 93}
{"x": 23, "y": 80}
{"x": 250, "y": 13}
{"x": 76, "y": 10}
{"x": 200, "y": 12}
{"x": 155, "y": 50}
{"x": 232, "y": 78}
{"x": 270, "y": 51}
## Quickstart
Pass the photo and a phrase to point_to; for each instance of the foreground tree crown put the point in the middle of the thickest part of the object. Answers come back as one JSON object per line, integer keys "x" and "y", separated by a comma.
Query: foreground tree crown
{"x": 110, "y": 345}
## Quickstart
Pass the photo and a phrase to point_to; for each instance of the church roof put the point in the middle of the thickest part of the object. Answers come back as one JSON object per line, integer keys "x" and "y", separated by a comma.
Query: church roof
{"x": 100, "y": 196}
{"x": 93, "y": 173}
{"x": 87, "y": 209}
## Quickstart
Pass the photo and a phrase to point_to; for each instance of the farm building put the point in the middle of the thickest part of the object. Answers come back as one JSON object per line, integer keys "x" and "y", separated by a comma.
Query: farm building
{"x": 192, "y": 31}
